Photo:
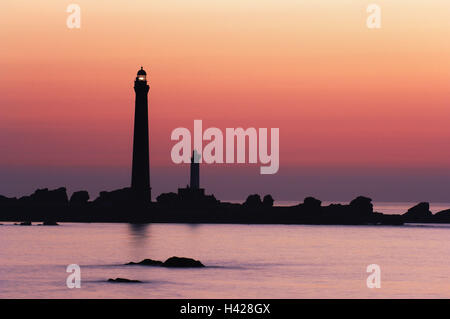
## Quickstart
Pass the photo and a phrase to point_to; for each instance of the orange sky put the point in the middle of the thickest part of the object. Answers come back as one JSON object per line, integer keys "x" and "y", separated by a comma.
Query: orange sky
{"x": 342, "y": 95}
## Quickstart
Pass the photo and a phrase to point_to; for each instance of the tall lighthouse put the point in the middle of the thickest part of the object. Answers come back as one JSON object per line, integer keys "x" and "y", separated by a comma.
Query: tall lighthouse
{"x": 140, "y": 176}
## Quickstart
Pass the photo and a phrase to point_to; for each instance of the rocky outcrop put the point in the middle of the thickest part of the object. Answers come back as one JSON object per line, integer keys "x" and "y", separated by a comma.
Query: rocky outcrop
{"x": 168, "y": 199}
{"x": 253, "y": 202}
{"x": 46, "y": 197}
{"x": 419, "y": 213}
{"x": 124, "y": 197}
{"x": 6, "y": 201}
{"x": 193, "y": 206}
{"x": 268, "y": 201}
{"x": 362, "y": 205}
{"x": 442, "y": 216}
{"x": 182, "y": 262}
{"x": 311, "y": 203}
{"x": 147, "y": 262}
{"x": 79, "y": 198}
{"x": 172, "y": 262}
{"x": 124, "y": 280}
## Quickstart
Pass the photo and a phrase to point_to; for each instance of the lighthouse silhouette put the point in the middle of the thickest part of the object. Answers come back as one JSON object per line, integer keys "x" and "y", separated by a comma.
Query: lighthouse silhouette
{"x": 140, "y": 176}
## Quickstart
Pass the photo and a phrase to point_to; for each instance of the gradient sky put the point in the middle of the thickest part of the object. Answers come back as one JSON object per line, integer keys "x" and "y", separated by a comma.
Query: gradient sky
{"x": 360, "y": 111}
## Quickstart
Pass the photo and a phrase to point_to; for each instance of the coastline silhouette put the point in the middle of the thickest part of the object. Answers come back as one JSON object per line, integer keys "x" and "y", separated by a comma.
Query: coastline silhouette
{"x": 190, "y": 204}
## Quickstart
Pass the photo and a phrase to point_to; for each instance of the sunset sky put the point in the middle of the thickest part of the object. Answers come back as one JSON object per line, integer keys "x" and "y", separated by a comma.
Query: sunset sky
{"x": 360, "y": 111}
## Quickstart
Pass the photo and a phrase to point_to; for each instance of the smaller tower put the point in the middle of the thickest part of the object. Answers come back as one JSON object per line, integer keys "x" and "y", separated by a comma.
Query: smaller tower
{"x": 193, "y": 193}
{"x": 195, "y": 170}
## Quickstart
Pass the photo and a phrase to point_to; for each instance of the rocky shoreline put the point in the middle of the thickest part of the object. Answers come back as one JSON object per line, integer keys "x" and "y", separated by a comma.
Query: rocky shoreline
{"x": 52, "y": 206}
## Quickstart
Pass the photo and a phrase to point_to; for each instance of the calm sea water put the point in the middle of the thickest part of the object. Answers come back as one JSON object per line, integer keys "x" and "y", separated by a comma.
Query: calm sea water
{"x": 243, "y": 261}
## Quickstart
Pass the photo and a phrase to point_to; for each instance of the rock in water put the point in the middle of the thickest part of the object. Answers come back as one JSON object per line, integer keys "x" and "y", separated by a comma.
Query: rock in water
{"x": 147, "y": 262}
{"x": 172, "y": 262}
{"x": 182, "y": 262}
{"x": 124, "y": 280}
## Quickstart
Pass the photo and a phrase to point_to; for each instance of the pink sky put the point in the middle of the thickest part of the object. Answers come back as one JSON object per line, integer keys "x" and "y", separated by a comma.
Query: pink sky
{"x": 349, "y": 101}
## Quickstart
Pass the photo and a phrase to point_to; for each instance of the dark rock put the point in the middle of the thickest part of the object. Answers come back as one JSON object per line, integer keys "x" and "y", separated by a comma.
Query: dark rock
{"x": 172, "y": 262}
{"x": 362, "y": 205}
{"x": 311, "y": 203}
{"x": 442, "y": 216}
{"x": 168, "y": 199}
{"x": 147, "y": 262}
{"x": 120, "y": 197}
{"x": 393, "y": 220}
{"x": 50, "y": 223}
{"x": 25, "y": 224}
{"x": 443, "y": 213}
{"x": 268, "y": 201}
{"x": 123, "y": 280}
{"x": 46, "y": 197}
{"x": 79, "y": 198}
{"x": 6, "y": 201}
{"x": 182, "y": 262}
{"x": 253, "y": 201}
{"x": 419, "y": 212}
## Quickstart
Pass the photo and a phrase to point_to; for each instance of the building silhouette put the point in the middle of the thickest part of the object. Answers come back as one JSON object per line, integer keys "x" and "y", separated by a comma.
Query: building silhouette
{"x": 193, "y": 192}
{"x": 140, "y": 176}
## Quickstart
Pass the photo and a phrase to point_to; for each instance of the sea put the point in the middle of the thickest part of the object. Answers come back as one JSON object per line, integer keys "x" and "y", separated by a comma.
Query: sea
{"x": 242, "y": 261}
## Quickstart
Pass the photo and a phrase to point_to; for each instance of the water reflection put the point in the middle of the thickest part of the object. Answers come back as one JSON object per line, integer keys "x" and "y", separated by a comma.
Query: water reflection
{"x": 243, "y": 261}
{"x": 139, "y": 235}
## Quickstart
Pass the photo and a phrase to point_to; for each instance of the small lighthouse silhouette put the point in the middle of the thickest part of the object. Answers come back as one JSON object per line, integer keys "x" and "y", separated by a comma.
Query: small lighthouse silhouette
{"x": 195, "y": 170}
{"x": 140, "y": 176}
